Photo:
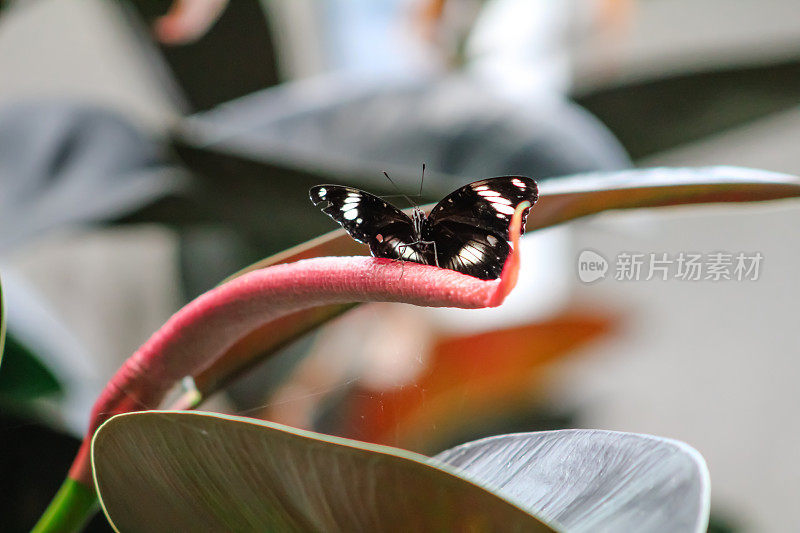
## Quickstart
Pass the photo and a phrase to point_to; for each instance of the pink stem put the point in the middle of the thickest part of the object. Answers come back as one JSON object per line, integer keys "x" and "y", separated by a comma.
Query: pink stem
{"x": 206, "y": 327}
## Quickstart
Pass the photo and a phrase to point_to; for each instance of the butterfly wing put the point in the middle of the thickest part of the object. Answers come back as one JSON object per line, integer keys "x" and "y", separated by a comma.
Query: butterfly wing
{"x": 487, "y": 204}
{"x": 388, "y": 231}
{"x": 470, "y": 250}
{"x": 470, "y": 225}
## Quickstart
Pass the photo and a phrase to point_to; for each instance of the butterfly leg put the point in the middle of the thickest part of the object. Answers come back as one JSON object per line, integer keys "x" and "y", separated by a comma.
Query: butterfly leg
{"x": 403, "y": 263}
{"x": 435, "y": 252}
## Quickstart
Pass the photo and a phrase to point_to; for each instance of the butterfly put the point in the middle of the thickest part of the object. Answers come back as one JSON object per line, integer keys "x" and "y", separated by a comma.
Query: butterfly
{"x": 467, "y": 231}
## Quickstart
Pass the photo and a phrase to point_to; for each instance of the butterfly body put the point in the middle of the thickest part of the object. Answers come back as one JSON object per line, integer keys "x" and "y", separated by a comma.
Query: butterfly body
{"x": 467, "y": 231}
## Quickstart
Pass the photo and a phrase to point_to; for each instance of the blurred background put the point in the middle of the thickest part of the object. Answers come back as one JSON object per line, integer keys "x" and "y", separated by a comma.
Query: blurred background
{"x": 148, "y": 149}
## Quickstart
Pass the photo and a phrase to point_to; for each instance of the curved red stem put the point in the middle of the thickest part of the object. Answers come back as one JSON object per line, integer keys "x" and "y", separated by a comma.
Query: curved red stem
{"x": 206, "y": 327}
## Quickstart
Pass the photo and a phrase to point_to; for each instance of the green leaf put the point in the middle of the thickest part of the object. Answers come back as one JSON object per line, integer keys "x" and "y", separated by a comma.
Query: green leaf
{"x": 23, "y": 377}
{"x": 166, "y": 470}
{"x": 572, "y": 197}
{"x": 181, "y": 471}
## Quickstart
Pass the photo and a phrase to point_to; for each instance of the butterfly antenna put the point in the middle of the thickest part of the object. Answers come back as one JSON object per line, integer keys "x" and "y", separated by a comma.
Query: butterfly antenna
{"x": 409, "y": 200}
{"x": 421, "y": 181}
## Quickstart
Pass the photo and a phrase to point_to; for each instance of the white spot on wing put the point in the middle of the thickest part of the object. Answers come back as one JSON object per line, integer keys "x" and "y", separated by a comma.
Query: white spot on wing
{"x": 351, "y": 214}
{"x": 470, "y": 254}
{"x": 518, "y": 182}
{"x": 502, "y": 208}
{"x": 322, "y": 192}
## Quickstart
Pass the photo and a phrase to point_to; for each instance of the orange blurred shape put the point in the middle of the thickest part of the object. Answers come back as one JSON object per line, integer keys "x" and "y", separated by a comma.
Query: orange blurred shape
{"x": 188, "y": 20}
{"x": 472, "y": 377}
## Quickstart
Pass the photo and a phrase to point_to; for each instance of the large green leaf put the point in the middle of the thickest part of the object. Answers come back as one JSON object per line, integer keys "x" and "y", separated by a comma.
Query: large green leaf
{"x": 178, "y": 471}
{"x": 166, "y": 470}
{"x": 573, "y": 197}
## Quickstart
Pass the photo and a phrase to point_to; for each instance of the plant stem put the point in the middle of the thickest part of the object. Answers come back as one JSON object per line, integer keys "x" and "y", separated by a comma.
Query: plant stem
{"x": 72, "y": 506}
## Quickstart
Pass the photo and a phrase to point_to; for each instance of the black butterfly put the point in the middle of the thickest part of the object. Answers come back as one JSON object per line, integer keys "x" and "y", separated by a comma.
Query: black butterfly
{"x": 467, "y": 231}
